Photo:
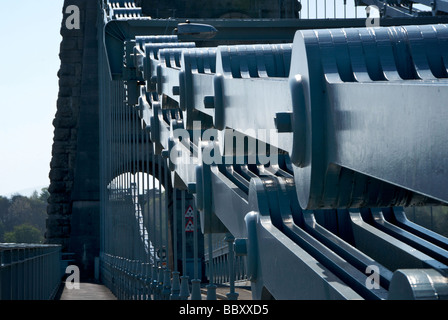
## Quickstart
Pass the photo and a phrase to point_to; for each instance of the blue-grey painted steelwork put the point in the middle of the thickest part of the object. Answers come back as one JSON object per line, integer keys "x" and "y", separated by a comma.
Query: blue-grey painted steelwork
{"x": 338, "y": 130}
{"x": 29, "y": 271}
{"x": 409, "y": 9}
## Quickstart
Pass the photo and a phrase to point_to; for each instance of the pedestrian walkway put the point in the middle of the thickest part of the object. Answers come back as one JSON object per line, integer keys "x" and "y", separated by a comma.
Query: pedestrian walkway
{"x": 87, "y": 291}
{"x": 243, "y": 291}
{"x": 221, "y": 294}
{"x": 94, "y": 291}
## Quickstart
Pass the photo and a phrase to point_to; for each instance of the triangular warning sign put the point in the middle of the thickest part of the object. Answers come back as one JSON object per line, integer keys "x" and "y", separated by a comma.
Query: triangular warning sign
{"x": 189, "y": 212}
{"x": 189, "y": 227}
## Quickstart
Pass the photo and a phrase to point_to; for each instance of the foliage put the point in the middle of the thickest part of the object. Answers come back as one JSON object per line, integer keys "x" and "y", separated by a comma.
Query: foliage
{"x": 23, "y": 219}
{"x": 24, "y": 233}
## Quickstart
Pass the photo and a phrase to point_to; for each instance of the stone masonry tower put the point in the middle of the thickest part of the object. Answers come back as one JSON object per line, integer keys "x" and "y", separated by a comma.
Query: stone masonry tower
{"x": 73, "y": 210}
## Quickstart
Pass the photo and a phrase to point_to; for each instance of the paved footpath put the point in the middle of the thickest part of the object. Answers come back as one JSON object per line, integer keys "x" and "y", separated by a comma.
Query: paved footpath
{"x": 94, "y": 291}
{"x": 221, "y": 292}
{"x": 87, "y": 291}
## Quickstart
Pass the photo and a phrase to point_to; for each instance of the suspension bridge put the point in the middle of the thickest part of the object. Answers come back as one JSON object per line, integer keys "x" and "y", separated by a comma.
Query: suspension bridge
{"x": 274, "y": 156}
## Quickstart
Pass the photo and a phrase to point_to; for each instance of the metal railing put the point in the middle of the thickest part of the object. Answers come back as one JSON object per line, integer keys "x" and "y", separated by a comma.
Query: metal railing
{"x": 221, "y": 262}
{"x": 29, "y": 271}
{"x": 127, "y": 279}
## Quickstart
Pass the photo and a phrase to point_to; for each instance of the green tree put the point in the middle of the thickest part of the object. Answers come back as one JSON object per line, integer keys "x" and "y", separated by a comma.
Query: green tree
{"x": 24, "y": 210}
{"x": 18, "y": 212}
{"x": 9, "y": 237}
{"x": 4, "y": 205}
{"x": 24, "y": 233}
{"x": 2, "y": 231}
{"x": 34, "y": 195}
{"x": 44, "y": 195}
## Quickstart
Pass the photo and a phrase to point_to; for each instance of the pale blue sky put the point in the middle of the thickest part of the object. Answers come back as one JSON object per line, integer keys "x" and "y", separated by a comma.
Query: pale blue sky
{"x": 29, "y": 62}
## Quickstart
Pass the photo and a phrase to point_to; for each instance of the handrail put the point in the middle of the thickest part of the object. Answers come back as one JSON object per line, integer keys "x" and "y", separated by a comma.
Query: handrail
{"x": 29, "y": 271}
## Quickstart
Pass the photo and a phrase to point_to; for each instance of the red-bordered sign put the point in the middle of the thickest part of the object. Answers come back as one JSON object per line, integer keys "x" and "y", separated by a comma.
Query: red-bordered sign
{"x": 189, "y": 225}
{"x": 189, "y": 212}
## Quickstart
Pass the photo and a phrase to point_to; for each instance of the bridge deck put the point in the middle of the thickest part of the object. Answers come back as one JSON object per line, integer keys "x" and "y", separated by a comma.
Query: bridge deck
{"x": 242, "y": 289}
{"x": 94, "y": 291}
{"x": 87, "y": 291}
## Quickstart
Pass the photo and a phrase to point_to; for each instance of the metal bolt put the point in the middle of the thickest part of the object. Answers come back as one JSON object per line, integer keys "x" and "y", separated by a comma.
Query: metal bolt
{"x": 153, "y": 80}
{"x": 240, "y": 247}
{"x": 192, "y": 187}
{"x": 165, "y": 154}
{"x": 209, "y": 102}
{"x": 283, "y": 121}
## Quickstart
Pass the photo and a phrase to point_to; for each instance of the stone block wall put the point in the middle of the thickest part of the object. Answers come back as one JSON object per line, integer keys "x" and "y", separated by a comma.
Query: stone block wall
{"x": 74, "y": 168}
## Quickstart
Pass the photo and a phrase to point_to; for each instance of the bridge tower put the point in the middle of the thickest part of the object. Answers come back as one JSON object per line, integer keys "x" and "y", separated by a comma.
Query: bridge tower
{"x": 73, "y": 210}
